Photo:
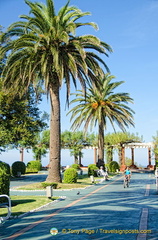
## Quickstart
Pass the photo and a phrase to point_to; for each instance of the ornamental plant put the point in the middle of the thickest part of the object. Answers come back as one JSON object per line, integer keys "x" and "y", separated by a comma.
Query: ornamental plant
{"x": 75, "y": 166}
{"x": 92, "y": 170}
{"x": 70, "y": 175}
{"x": 113, "y": 166}
{"x": 4, "y": 179}
{"x": 18, "y": 167}
{"x": 34, "y": 166}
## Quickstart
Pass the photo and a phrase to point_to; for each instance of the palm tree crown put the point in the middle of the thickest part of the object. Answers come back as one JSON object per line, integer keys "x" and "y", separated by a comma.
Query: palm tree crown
{"x": 45, "y": 50}
{"x": 100, "y": 105}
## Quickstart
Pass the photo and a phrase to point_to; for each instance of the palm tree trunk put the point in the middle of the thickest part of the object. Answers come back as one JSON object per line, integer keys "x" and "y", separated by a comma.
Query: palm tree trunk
{"x": 109, "y": 154}
{"x": 21, "y": 154}
{"x": 101, "y": 145}
{"x": 79, "y": 158}
{"x": 75, "y": 159}
{"x": 54, "y": 151}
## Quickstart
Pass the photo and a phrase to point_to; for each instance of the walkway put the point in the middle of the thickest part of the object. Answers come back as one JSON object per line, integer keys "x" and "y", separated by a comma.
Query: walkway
{"x": 104, "y": 211}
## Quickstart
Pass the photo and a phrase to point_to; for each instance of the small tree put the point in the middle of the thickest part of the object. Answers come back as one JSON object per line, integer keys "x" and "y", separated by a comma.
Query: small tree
{"x": 76, "y": 141}
{"x": 41, "y": 146}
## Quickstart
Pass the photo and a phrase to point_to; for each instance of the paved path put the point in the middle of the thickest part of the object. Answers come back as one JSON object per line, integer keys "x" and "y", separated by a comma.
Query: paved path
{"x": 104, "y": 211}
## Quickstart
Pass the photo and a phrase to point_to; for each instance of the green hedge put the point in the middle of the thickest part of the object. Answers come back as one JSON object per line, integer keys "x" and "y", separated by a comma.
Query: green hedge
{"x": 92, "y": 170}
{"x": 113, "y": 166}
{"x": 18, "y": 167}
{"x": 4, "y": 179}
{"x": 46, "y": 184}
{"x": 75, "y": 166}
{"x": 70, "y": 175}
{"x": 33, "y": 166}
{"x": 5, "y": 166}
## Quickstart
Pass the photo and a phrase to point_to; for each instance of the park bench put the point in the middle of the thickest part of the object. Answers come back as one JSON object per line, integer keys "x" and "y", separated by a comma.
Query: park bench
{"x": 5, "y": 205}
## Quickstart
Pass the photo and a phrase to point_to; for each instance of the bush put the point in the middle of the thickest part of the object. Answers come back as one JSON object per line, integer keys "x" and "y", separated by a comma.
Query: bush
{"x": 5, "y": 166}
{"x": 18, "y": 167}
{"x": 70, "y": 175}
{"x": 107, "y": 166}
{"x": 4, "y": 179}
{"x": 46, "y": 184}
{"x": 75, "y": 166}
{"x": 113, "y": 166}
{"x": 34, "y": 166}
{"x": 92, "y": 170}
{"x": 31, "y": 170}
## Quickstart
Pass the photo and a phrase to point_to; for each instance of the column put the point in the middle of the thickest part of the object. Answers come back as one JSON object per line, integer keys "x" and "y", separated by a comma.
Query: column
{"x": 123, "y": 156}
{"x": 149, "y": 155}
{"x": 132, "y": 154}
{"x": 123, "y": 166}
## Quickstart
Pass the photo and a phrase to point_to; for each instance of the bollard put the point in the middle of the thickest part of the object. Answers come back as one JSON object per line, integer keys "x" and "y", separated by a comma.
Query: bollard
{"x": 92, "y": 178}
{"x": 49, "y": 191}
{"x": 18, "y": 174}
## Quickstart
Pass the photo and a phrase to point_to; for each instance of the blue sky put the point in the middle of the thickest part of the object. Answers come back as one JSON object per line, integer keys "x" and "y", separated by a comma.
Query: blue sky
{"x": 130, "y": 27}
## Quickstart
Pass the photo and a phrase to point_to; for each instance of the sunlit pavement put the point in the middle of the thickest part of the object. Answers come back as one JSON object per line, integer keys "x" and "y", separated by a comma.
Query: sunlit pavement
{"x": 104, "y": 211}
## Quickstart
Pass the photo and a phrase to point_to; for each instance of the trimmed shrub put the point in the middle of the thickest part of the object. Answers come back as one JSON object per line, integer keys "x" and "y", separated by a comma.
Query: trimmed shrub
{"x": 70, "y": 175}
{"x": 33, "y": 166}
{"x": 5, "y": 166}
{"x": 18, "y": 167}
{"x": 92, "y": 170}
{"x": 113, "y": 166}
{"x": 4, "y": 179}
{"x": 75, "y": 166}
{"x": 46, "y": 184}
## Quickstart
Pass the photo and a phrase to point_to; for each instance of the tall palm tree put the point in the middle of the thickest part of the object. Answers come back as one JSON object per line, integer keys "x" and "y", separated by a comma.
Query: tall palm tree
{"x": 100, "y": 105}
{"x": 45, "y": 49}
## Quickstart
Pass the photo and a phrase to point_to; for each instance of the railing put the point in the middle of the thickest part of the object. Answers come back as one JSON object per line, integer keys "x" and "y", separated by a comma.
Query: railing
{"x": 5, "y": 205}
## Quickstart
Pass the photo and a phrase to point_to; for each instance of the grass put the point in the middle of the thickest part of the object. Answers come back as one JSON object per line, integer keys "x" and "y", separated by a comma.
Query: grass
{"x": 82, "y": 182}
{"x": 23, "y": 204}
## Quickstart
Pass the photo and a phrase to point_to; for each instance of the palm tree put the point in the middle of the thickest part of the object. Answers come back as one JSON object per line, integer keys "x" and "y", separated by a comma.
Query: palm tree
{"x": 76, "y": 141}
{"x": 102, "y": 104}
{"x": 45, "y": 49}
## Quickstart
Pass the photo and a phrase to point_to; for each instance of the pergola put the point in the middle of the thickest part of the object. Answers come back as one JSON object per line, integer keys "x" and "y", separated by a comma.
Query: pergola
{"x": 132, "y": 146}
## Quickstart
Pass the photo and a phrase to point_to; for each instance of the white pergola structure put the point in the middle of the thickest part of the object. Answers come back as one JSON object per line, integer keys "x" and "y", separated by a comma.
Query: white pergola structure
{"x": 132, "y": 146}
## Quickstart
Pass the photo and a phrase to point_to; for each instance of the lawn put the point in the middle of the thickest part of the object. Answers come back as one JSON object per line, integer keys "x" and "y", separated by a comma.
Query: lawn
{"x": 82, "y": 182}
{"x": 23, "y": 204}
